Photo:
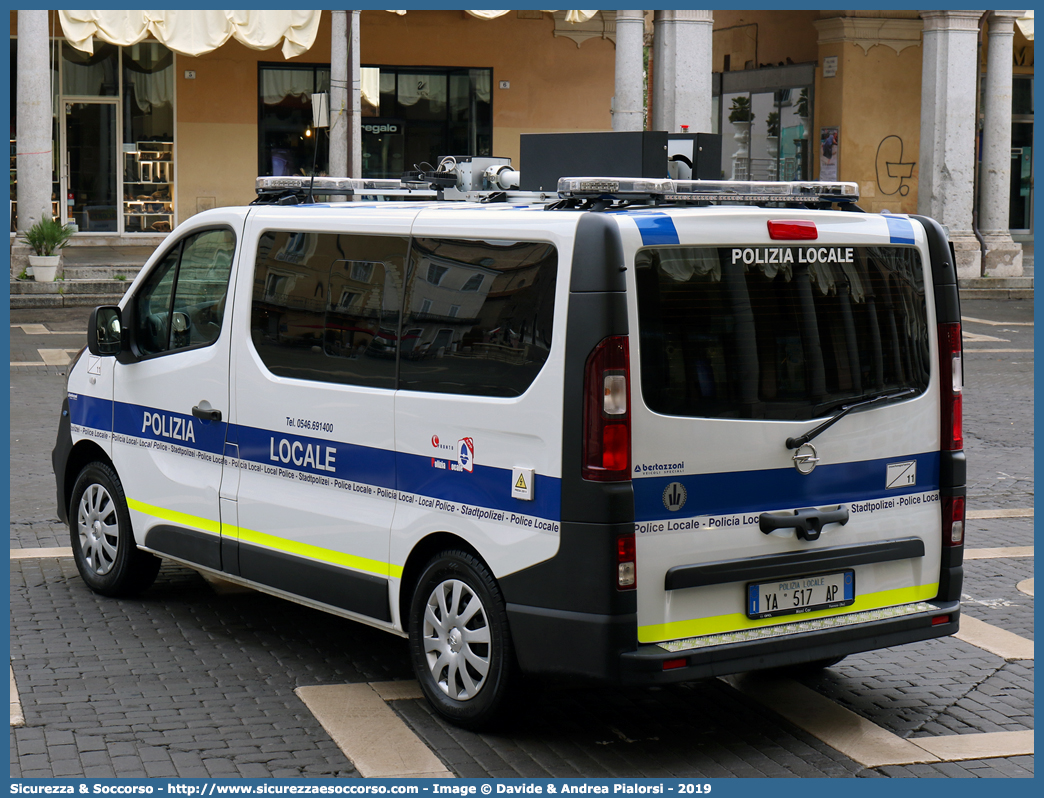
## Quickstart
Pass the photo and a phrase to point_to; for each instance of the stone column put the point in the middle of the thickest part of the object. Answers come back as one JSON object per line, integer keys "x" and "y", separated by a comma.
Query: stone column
{"x": 947, "y": 169}
{"x": 1003, "y": 256}
{"x": 682, "y": 63}
{"x": 628, "y": 113}
{"x": 33, "y": 132}
{"x": 354, "y": 97}
{"x": 339, "y": 110}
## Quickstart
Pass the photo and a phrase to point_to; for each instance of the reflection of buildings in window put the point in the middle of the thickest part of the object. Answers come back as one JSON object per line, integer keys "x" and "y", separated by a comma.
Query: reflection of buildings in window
{"x": 436, "y": 273}
{"x": 473, "y": 283}
{"x": 278, "y": 285}
{"x": 299, "y": 247}
{"x": 488, "y": 316}
{"x": 362, "y": 271}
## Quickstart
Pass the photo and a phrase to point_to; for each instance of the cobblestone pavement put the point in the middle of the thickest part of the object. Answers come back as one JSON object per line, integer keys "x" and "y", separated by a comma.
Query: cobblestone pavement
{"x": 190, "y": 682}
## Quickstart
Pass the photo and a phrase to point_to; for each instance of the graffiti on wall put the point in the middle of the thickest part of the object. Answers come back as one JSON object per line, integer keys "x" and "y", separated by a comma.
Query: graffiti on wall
{"x": 892, "y": 170}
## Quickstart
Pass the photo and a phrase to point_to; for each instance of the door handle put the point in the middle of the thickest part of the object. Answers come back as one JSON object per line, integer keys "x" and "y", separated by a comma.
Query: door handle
{"x": 808, "y": 521}
{"x": 207, "y": 414}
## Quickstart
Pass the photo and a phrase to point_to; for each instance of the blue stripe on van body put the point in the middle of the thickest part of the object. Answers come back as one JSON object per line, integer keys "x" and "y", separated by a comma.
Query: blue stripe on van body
{"x": 656, "y": 228}
{"x": 348, "y": 461}
{"x": 169, "y": 427}
{"x": 779, "y": 488}
{"x": 90, "y": 411}
{"x": 486, "y": 486}
{"x": 900, "y": 229}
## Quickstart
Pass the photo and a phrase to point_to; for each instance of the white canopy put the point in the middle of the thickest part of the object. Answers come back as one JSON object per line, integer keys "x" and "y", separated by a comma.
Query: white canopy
{"x": 571, "y": 16}
{"x": 194, "y": 32}
{"x": 1025, "y": 24}
{"x": 198, "y": 32}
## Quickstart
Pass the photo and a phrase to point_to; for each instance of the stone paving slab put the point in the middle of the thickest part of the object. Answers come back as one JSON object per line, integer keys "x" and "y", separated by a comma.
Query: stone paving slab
{"x": 991, "y": 594}
{"x": 189, "y": 683}
{"x": 994, "y": 532}
{"x": 181, "y": 682}
{"x": 922, "y": 688}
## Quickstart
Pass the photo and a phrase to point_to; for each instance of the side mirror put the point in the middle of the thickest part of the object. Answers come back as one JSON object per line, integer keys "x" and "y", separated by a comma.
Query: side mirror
{"x": 105, "y": 331}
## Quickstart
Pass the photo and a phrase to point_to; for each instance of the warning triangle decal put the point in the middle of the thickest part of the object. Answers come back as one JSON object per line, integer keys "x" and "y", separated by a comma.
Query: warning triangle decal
{"x": 521, "y": 484}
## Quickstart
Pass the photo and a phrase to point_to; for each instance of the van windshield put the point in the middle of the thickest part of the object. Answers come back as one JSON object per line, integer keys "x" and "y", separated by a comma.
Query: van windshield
{"x": 779, "y": 332}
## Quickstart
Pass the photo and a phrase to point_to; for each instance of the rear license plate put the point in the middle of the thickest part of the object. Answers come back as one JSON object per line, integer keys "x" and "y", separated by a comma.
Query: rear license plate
{"x": 800, "y": 594}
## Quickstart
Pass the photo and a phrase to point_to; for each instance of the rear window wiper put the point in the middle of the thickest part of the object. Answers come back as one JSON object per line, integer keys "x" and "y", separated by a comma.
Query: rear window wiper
{"x": 797, "y": 443}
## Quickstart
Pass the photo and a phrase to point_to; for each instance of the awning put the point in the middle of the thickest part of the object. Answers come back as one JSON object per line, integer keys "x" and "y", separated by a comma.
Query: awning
{"x": 193, "y": 32}
{"x": 573, "y": 17}
{"x": 1025, "y": 24}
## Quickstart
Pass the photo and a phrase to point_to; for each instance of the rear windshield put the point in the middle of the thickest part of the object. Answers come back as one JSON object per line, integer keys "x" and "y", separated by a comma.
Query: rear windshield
{"x": 787, "y": 333}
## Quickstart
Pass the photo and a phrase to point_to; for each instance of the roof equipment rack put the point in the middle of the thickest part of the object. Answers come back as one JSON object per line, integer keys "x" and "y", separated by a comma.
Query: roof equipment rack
{"x": 491, "y": 179}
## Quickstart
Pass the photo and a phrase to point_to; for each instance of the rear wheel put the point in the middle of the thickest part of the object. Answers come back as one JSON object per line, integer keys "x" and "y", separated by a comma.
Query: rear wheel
{"x": 459, "y": 639}
{"x": 103, "y": 544}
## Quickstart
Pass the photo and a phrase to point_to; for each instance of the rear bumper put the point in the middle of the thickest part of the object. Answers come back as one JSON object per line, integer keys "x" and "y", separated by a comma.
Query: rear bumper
{"x": 602, "y": 648}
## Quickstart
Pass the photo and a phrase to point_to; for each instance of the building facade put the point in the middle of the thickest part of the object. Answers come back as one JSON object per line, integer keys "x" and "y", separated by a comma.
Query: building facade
{"x": 142, "y": 137}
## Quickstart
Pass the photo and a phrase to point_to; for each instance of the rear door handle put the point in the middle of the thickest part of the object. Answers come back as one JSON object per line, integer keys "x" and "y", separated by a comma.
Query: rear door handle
{"x": 206, "y": 415}
{"x": 808, "y": 521}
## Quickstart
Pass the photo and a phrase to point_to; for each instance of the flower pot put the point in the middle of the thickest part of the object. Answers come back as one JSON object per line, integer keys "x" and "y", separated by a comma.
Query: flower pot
{"x": 44, "y": 267}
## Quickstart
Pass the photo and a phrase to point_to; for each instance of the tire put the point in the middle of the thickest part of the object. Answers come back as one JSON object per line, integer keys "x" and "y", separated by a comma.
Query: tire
{"x": 103, "y": 544}
{"x": 460, "y": 643}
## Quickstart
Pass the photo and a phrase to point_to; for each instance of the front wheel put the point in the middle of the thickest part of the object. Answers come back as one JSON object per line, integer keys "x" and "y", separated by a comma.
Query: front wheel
{"x": 103, "y": 544}
{"x": 459, "y": 639}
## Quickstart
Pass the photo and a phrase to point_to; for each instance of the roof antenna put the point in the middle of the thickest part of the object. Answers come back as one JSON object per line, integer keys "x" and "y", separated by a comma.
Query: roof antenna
{"x": 320, "y": 119}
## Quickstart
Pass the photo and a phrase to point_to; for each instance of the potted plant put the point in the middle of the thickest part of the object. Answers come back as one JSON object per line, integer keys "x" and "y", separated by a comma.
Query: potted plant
{"x": 740, "y": 110}
{"x": 802, "y": 104}
{"x": 772, "y": 122}
{"x": 46, "y": 238}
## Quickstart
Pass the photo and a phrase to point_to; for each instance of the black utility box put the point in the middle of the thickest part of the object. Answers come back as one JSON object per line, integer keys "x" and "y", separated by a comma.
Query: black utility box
{"x": 545, "y": 157}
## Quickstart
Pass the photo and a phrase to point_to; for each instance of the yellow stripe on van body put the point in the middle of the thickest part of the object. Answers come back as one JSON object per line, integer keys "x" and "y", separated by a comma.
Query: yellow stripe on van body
{"x": 181, "y": 519}
{"x": 267, "y": 541}
{"x": 738, "y": 622}
{"x": 317, "y": 553}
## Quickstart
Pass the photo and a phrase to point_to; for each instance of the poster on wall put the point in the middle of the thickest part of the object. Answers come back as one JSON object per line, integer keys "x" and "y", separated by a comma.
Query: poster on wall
{"x": 829, "y": 141}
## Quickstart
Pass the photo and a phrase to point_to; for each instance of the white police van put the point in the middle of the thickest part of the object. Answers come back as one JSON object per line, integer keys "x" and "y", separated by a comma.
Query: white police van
{"x": 642, "y": 432}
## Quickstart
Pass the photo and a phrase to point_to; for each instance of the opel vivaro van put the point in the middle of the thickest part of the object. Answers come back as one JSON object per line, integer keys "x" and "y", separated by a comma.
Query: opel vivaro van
{"x": 639, "y": 432}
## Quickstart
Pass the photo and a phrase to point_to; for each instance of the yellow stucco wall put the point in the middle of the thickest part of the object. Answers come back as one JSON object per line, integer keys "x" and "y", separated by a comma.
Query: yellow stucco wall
{"x": 875, "y": 99}
{"x": 555, "y": 86}
{"x": 764, "y": 37}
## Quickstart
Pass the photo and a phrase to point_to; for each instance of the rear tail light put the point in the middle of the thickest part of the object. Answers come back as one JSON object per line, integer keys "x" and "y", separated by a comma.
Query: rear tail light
{"x": 626, "y": 564}
{"x": 953, "y": 520}
{"x": 607, "y": 417}
{"x": 951, "y": 386}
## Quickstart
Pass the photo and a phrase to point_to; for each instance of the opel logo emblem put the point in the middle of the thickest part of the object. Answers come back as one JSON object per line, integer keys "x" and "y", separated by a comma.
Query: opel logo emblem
{"x": 805, "y": 458}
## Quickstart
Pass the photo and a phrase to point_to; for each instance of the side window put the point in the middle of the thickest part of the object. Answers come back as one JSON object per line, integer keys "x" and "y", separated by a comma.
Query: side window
{"x": 477, "y": 316}
{"x": 326, "y": 306}
{"x": 182, "y": 303}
